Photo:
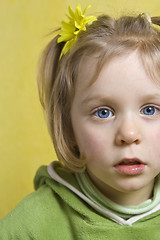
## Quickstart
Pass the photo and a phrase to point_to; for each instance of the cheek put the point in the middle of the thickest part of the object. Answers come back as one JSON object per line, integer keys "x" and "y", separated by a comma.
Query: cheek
{"x": 93, "y": 143}
{"x": 158, "y": 137}
{"x": 156, "y": 140}
{"x": 155, "y": 137}
{"x": 154, "y": 143}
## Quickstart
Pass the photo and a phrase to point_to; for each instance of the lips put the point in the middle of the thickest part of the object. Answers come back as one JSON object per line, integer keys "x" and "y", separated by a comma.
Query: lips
{"x": 130, "y": 161}
{"x": 130, "y": 166}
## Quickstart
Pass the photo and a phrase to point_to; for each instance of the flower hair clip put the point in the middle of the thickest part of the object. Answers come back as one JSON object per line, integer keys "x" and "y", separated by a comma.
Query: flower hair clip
{"x": 153, "y": 21}
{"x": 147, "y": 17}
{"x": 70, "y": 30}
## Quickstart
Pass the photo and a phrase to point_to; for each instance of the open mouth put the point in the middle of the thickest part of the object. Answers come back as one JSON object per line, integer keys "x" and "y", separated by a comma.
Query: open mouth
{"x": 130, "y": 162}
{"x": 132, "y": 166}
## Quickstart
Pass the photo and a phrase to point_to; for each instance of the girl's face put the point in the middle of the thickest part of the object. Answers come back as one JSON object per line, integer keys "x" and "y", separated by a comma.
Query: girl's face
{"x": 116, "y": 122}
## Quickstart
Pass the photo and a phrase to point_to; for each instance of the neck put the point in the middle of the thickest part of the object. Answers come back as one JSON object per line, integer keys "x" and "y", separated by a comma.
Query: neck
{"x": 125, "y": 198}
{"x": 130, "y": 198}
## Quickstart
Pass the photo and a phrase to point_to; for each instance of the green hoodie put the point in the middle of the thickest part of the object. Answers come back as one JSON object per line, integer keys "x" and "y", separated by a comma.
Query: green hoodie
{"x": 59, "y": 210}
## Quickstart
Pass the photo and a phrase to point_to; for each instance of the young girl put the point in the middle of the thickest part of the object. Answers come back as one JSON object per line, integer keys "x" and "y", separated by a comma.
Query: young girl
{"x": 100, "y": 88}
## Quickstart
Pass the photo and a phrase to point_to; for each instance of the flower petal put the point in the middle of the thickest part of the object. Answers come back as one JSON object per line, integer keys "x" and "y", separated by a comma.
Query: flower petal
{"x": 77, "y": 23}
{"x": 67, "y": 46}
{"x": 71, "y": 12}
{"x": 78, "y": 12}
{"x": 65, "y": 37}
{"x": 67, "y": 27}
{"x": 89, "y": 19}
{"x": 86, "y": 8}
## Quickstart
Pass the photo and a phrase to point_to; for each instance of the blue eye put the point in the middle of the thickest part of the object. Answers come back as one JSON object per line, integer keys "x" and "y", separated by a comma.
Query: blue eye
{"x": 150, "y": 110}
{"x": 104, "y": 113}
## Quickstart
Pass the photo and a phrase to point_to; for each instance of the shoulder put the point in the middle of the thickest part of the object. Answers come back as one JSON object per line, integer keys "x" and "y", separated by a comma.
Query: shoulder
{"x": 30, "y": 215}
{"x": 49, "y": 211}
{"x": 36, "y": 213}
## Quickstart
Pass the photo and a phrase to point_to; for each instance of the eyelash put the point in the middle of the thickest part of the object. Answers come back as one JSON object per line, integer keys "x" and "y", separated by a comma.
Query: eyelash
{"x": 104, "y": 110}
{"x": 151, "y": 107}
{"x": 110, "y": 113}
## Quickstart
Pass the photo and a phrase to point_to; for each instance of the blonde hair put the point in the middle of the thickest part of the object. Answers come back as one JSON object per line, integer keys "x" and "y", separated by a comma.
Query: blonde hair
{"x": 104, "y": 38}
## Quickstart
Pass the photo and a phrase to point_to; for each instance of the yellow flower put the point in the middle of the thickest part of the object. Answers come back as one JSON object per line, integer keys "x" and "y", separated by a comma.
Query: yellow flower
{"x": 70, "y": 30}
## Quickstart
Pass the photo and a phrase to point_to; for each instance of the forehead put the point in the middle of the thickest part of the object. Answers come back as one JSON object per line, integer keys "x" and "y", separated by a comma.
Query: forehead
{"x": 87, "y": 71}
{"x": 90, "y": 72}
{"x": 90, "y": 67}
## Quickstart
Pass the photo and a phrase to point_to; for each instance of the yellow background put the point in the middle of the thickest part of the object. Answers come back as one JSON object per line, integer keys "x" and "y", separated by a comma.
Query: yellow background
{"x": 24, "y": 140}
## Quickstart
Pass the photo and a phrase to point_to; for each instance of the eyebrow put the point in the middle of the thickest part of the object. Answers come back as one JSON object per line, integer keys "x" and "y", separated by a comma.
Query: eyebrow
{"x": 153, "y": 96}
{"x": 97, "y": 98}
{"x": 102, "y": 99}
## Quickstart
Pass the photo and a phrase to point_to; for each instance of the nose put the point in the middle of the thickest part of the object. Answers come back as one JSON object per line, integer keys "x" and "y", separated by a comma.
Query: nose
{"x": 128, "y": 132}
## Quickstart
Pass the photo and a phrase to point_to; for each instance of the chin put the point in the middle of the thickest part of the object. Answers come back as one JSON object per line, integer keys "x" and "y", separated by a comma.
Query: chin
{"x": 132, "y": 185}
